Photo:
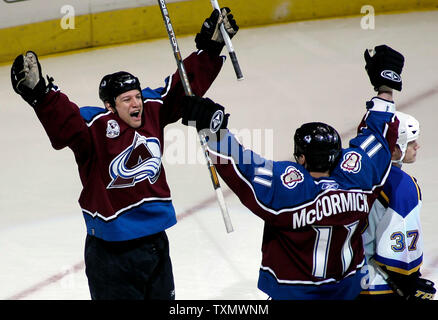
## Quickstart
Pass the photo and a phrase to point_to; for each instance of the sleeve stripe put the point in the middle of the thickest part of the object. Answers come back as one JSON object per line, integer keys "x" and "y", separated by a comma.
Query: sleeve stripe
{"x": 402, "y": 271}
{"x": 367, "y": 142}
{"x": 263, "y": 182}
{"x": 374, "y": 150}
{"x": 260, "y": 171}
{"x": 400, "y": 266}
{"x": 242, "y": 178}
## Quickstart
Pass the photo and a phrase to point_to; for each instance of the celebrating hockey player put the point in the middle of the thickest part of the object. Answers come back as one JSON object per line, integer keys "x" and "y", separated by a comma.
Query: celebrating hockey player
{"x": 316, "y": 208}
{"x": 394, "y": 237}
{"x": 125, "y": 198}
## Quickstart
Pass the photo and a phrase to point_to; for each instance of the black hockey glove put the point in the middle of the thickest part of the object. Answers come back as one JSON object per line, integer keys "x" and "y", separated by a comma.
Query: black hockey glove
{"x": 412, "y": 286}
{"x": 204, "y": 113}
{"x": 210, "y": 37}
{"x": 384, "y": 67}
{"x": 27, "y": 79}
{"x": 423, "y": 289}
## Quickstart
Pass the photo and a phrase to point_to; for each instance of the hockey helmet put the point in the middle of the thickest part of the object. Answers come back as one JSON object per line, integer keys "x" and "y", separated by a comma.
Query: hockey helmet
{"x": 112, "y": 85}
{"x": 408, "y": 130}
{"x": 320, "y": 144}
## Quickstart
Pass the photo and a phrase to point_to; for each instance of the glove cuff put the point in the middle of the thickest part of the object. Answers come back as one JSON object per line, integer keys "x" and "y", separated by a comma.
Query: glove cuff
{"x": 382, "y": 105}
{"x": 34, "y": 96}
{"x": 211, "y": 46}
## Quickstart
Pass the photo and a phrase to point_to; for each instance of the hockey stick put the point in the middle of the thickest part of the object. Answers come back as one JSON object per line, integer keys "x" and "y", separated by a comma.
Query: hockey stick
{"x": 386, "y": 277}
{"x": 229, "y": 45}
{"x": 188, "y": 92}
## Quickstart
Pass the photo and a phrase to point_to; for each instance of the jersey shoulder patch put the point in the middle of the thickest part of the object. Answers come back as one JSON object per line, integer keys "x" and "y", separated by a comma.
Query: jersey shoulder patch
{"x": 293, "y": 185}
{"x": 353, "y": 170}
{"x": 291, "y": 177}
{"x": 351, "y": 162}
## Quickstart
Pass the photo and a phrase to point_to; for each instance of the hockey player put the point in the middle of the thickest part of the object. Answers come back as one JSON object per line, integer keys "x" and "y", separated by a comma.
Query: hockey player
{"x": 125, "y": 198}
{"x": 316, "y": 208}
{"x": 393, "y": 241}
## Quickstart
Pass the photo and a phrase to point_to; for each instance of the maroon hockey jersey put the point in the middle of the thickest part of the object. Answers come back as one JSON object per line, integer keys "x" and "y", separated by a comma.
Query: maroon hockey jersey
{"x": 312, "y": 243}
{"x": 125, "y": 194}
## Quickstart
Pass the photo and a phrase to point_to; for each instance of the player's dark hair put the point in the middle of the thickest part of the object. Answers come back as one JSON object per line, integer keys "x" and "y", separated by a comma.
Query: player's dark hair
{"x": 320, "y": 144}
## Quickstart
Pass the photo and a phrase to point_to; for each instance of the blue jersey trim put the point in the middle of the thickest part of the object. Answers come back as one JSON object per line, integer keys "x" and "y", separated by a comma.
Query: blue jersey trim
{"x": 149, "y": 93}
{"x": 88, "y": 113}
{"x": 396, "y": 264}
{"x": 147, "y": 219}
{"x": 346, "y": 289}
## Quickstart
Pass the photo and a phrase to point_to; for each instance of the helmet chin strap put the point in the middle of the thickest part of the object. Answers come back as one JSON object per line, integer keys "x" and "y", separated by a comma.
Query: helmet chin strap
{"x": 399, "y": 162}
{"x": 112, "y": 105}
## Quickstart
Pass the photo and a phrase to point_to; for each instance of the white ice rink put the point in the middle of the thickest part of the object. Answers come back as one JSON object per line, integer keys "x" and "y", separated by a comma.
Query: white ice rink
{"x": 294, "y": 73}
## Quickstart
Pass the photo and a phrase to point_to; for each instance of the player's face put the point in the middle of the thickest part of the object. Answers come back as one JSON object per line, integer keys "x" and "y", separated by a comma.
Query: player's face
{"x": 129, "y": 106}
{"x": 411, "y": 152}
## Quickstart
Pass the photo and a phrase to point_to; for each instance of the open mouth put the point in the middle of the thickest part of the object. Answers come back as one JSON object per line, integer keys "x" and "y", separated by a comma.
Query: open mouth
{"x": 135, "y": 114}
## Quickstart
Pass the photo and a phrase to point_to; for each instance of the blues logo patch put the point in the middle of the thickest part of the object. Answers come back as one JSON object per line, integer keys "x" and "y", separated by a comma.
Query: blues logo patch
{"x": 352, "y": 162}
{"x": 291, "y": 177}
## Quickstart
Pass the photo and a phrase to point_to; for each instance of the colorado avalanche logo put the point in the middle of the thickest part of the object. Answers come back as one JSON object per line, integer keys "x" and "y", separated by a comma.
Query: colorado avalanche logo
{"x": 291, "y": 177}
{"x": 140, "y": 161}
{"x": 352, "y": 162}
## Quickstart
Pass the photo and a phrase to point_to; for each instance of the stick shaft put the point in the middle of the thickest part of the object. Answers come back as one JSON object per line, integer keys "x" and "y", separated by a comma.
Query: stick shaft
{"x": 229, "y": 45}
{"x": 216, "y": 185}
{"x": 188, "y": 92}
{"x": 175, "y": 47}
{"x": 386, "y": 277}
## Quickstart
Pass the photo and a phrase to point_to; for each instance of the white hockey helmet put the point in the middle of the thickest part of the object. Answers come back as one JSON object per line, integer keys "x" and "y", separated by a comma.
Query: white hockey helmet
{"x": 408, "y": 130}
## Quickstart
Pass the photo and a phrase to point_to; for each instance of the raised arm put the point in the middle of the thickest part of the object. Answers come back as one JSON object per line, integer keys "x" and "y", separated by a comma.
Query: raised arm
{"x": 202, "y": 67}
{"x": 59, "y": 116}
{"x": 251, "y": 177}
{"x": 378, "y": 131}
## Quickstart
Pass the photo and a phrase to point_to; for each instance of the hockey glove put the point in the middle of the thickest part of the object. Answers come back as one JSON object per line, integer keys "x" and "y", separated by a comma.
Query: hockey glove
{"x": 384, "y": 67}
{"x": 204, "y": 113}
{"x": 27, "y": 79}
{"x": 210, "y": 37}
{"x": 423, "y": 290}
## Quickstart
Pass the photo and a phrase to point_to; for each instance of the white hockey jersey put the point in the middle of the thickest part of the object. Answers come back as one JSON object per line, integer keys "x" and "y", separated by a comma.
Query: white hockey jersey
{"x": 394, "y": 237}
